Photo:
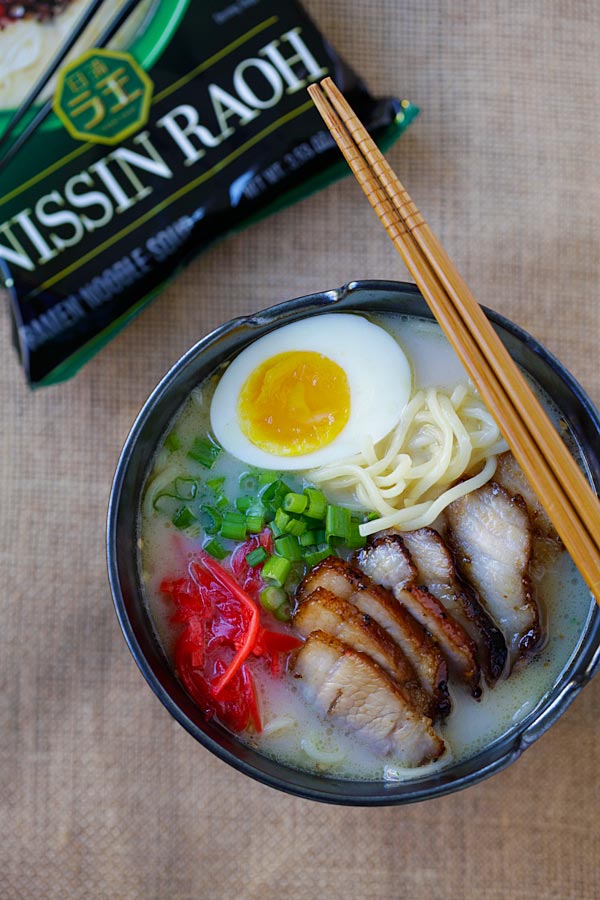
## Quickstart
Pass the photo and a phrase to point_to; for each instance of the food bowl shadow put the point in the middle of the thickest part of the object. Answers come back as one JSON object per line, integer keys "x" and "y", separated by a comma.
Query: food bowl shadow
{"x": 583, "y": 422}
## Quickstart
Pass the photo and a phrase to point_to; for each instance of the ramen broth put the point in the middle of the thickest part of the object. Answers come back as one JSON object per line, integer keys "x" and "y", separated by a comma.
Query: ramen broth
{"x": 292, "y": 731}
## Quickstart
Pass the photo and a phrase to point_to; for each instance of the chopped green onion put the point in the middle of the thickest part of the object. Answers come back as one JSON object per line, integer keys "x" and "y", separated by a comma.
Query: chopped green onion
{"x": 186, "y": 488}
{"x": 216, "y": 549}
{"x": 243, "y": 503}
{"x": 372, "y": 516}
{"x": 295, "y": 526}
{"x": 287, "y": 545}
{"x": 294, "y": 503}
{"x": 354, "y": 539}
{"x": 232, "y": 531}
{"x": 255, "y": 518}
{"x": 254, "y": 524}
{"x": 210, "y": 519}
{"x": 234, "y": 526}
{"x": 312, "y": 538}
{"x": 222, "y": 502}
{"x": 183, "y": 518}
{"x": 274, "y": 493}
{"x": 277, "y": 569}
{"x": 216, "y": 484}
{"x": 165, "y": 503}
{"x": 232, "y": 516}
{"x": 172, "y": 442}
{"x": 272, "y": 598}
{"x": 337, "y": 522}
{"x": 204, "y": 451}
{"x": 283, "y": 612}
{"x": 255, "y": 557}
{"x": 266, "y": 477}
{"x": 281, "y": 519}
{"x": 311, "y": 559}
{"x": 276, "y": 531}
{"x": 317, "y": 503}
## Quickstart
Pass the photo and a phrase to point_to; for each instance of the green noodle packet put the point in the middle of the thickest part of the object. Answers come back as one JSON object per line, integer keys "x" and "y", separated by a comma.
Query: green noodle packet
{"x": 198, "y": 126}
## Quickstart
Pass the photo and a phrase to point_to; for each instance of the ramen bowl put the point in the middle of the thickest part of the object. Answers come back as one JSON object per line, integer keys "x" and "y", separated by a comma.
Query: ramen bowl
{"x": 372, "y": 299}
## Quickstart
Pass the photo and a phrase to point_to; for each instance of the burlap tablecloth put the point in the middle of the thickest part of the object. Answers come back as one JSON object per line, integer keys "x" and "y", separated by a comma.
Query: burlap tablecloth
{"x": 103, "y": 794}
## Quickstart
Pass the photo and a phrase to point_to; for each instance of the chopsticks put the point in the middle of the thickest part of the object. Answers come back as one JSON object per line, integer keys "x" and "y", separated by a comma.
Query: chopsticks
{"x": 544, "y": 458}
{"x": 109, "y": 32}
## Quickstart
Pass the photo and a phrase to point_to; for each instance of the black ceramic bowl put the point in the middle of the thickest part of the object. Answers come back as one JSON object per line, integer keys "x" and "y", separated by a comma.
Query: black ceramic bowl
{"x": 369, "y": 297}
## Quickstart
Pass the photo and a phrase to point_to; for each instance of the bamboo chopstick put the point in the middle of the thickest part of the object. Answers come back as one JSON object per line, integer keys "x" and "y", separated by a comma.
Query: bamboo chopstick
{"x": 544, "y": 458}
{"x": 496, "y": 353}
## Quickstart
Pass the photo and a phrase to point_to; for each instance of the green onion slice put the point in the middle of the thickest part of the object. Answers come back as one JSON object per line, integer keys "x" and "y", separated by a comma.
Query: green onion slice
{"x": 272, "y": 598}
{"x": 294, "y": 503}
{"x": 204, "y": 451}
{"x": 276, "y": 569}
{"x": 256, "y": 557}
{"x": 317, "y": 503}
{"x": 183, "y": 518}
{"x": 210, "y": 519}
{"x": 216, "y": 549}
{"x": 254, "y": 524}
{"x": 186, "y": 488}
{"x": 337, "y": 522}
{"x": 172, "y": 442}
{"x": 311, "y": 559}
{"x": 287, "y": 545}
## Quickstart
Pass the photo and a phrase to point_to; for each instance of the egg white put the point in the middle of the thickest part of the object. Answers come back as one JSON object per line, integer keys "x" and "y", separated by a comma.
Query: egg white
{"x": 378, "y": 373}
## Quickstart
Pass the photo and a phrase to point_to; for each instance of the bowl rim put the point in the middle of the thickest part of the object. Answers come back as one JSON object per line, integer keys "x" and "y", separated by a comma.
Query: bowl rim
{"x": 582, "y": 665}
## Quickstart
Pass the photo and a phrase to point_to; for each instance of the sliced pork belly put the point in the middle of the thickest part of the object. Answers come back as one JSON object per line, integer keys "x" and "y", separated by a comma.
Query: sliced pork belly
{"x": 422, "y": 652}
{"x": 348, "y": 686}
{"x": 546, "y": 542}
{"x": 436, "y": 569}
{"x": 490, "y": 534}
{"x": 323, "y": 611}
{"x": 388, "y": 562}
{"x": 511, "y": 477}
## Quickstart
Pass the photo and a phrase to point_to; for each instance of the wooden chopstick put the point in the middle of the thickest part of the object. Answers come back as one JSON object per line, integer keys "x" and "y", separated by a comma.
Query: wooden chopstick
{"x": 109, "y": 32}
{"x": 497, "y": 355}
{"x": 552, "y": 472}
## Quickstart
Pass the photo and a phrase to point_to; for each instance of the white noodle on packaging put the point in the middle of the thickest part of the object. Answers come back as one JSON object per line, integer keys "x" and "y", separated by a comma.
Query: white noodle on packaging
{"x": 444, "y": 446}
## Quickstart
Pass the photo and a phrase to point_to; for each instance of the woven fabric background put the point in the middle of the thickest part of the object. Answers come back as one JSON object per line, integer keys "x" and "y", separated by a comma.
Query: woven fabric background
{"x": 102, "y": 794}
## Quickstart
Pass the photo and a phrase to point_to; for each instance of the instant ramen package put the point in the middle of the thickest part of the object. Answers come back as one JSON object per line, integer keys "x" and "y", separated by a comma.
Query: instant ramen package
{"x": 193, "y": 122}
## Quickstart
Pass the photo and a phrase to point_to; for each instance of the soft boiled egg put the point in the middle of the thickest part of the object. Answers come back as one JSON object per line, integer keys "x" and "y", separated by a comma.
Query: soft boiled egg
{"x": 308, "y": 393}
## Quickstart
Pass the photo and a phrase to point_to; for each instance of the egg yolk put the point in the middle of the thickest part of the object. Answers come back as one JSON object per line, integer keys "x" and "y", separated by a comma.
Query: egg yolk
{"x": 294, "y": 403}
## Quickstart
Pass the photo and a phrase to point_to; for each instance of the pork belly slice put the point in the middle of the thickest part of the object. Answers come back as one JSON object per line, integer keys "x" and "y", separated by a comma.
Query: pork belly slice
{"x": 511, "y": 477}
{"x": 546, "y": 542}
{"x": 323, "y": 611}
{"x": 490, "y": 534}
{"x": 436, "y": 569}
{"x": 351, "y": 688}
{"x": 387, "y": 561}
{"x": 349, "y": 583}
